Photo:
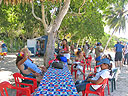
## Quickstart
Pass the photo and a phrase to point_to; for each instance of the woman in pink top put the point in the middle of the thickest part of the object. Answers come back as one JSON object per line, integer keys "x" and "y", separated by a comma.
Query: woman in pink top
{"x": 65, "y": 49}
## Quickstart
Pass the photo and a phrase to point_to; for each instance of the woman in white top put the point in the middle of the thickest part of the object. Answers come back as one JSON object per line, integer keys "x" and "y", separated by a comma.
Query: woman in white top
{"x": 80, "y": 61}
{"x": 99, "y": 77}
{"x": 65, "y": 50}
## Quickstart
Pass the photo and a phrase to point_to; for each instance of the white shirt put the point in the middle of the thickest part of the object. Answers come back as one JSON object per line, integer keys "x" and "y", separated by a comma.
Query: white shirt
{"x": 126, "y": 49}
{"x": 104, "y": 74}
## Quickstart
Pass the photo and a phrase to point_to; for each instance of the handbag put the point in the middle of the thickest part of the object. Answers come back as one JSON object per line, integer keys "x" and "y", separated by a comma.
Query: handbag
{"x": 58, "y": 64}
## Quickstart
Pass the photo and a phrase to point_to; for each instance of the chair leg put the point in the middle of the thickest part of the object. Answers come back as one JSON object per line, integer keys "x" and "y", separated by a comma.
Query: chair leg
{"x": 90, "y": 67}
{"x": 75, "y": 74}
{"x": 83, "y": 93}
{"x": 102, "y": 94}
{"x": 87, "y": 94}
{"x": 83, "y": 77}
{"x": 114, "y": 83}
{"x": 108, "y": 88}
{"x": 71, "y": 71}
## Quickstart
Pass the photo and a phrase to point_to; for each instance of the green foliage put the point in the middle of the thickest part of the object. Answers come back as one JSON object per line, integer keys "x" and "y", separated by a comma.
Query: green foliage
{"x": 17, "y": 22}
{"x": 83, "y": 20}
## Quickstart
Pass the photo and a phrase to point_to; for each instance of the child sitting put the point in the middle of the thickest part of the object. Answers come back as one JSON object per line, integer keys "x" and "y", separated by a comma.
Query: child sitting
{"x": 99, "y": 77}
{"x": 80, "y": 60}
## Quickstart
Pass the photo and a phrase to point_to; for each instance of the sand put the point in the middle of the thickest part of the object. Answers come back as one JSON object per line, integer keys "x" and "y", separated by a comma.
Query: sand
{"x": 8, "y": 67}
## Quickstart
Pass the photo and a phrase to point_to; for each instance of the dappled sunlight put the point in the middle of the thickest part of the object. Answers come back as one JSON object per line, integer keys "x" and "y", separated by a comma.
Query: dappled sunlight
{"x": 11, "y": 56}
{"x": 5, "y": 76}
{"x": 8, "y": 67}
{"x": 126, "y": 72}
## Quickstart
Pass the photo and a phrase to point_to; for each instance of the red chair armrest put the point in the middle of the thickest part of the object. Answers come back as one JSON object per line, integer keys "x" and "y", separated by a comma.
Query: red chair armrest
{"x": 29, "y": 85}
{"x": 34, "y": 80}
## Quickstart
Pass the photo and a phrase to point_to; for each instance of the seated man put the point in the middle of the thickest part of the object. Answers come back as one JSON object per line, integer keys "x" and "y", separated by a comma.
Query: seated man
{"x": 99, "y": 77}
{"x": 27, "y": 67}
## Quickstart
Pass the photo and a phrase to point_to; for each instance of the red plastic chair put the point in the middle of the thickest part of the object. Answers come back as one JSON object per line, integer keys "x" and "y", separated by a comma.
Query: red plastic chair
{"x": 18, "y": 76}
{"x": 73, "y": 70}
{"x": 49, "y": 62}
{"x": 88, "y": 62}
{"x": 55, "y": 56}
{"x": 95, "y": 70}
{"x": 20, "y": 91}
{"x": 99, "y": 91}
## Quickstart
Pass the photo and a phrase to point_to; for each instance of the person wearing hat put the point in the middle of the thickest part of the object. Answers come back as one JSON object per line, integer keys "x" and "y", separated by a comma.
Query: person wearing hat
{"x": 86, "y": 49}
{"x": 118, "y": 48}
{"x": 97, "y": 79}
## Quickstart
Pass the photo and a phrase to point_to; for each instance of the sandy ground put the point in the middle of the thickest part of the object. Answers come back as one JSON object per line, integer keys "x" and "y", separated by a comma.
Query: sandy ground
{"x": 8, "y": 67}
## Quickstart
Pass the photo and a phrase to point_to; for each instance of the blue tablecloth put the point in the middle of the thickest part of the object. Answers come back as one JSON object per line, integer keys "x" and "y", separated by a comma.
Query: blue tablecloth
{"x": 57, "y": 82}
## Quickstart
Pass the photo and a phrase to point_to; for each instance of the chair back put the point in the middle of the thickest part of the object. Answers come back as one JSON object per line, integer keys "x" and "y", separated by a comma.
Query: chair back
{"x": 95, "y": 68}
{"x": 90, "y": 57}
{"x": 114, "y": 71}
{"x": 104, "y": 83}
{"x": 18, "y": 77}
{"x": 4, "y": 85}
{"x": 49, "y": 62}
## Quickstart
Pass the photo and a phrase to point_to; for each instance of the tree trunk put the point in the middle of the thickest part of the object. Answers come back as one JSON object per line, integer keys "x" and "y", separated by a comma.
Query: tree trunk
{"x": 52, "y": 32}
{"x": 0, "y": 2}
{"x": 83, "y": 42}
{"x": 78, "y": 43}
{"x": 109, "y": 40}
{"x": 50, "y": 49}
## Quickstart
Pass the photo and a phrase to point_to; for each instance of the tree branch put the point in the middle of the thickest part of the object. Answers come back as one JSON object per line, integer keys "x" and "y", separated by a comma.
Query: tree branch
{"x": 43, "y": 17}
{"x": 60, "y": 4}
{"x": 81, "y": 5}
{"x": 35, "y": 14}
{"x": 0, "y": 2}
{"x": 60, "y": 16}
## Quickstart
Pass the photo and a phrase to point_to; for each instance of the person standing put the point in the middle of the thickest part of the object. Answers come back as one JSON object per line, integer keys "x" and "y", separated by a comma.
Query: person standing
{"x": 126, "y": 53}
{"x": 4, "y": 47}
{"x": 118, "y": 48}
{"x": 38, "y": 49}
{"x": 0, "y": 50}
{"x": 98, "y": 51}
{"x": 86, "y": 49}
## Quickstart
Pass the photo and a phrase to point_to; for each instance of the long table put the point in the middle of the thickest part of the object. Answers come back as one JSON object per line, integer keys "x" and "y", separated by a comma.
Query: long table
{"x": 57, "y": 82}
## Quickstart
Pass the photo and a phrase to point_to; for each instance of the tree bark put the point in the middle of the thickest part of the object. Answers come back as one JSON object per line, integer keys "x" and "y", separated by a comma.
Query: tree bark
{"x": 109, "y": 40}
{"x": 50, "y": 49}
{"x": 52, "y": 31}
{"x": 78, "y": 43}
{"x": 0, "y": 2}
{"x": 83, "y": 42}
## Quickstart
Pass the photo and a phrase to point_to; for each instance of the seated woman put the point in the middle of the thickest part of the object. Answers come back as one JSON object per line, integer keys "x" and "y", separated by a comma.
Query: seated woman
{"x": 97, "y": 79}
{"x": 80, "y": 60}
{"x": 27, "y": 67}
{"x": 65, "y": 50}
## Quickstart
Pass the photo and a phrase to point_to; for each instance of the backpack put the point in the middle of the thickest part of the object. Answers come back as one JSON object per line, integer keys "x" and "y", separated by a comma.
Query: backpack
{"x": 58, "y": 64}
{"x": 61, "y": 58}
